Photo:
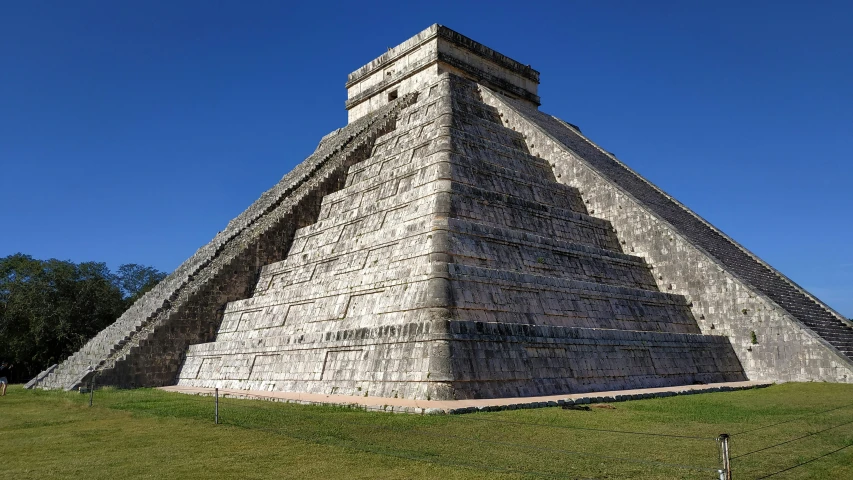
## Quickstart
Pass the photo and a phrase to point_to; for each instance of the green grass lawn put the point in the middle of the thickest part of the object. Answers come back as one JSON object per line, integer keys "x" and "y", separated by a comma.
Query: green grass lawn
{"x": 152, "y": 434}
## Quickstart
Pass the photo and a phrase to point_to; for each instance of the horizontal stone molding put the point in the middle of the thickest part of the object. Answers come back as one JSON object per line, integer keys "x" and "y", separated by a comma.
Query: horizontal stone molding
{"x": 451, "y": 36}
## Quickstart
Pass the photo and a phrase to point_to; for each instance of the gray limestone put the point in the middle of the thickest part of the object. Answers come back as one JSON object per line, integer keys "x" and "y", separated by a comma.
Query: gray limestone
{"x": 452, "y": 265}
{"x": 454, "y": 242}
{"x": 730, "y": 291}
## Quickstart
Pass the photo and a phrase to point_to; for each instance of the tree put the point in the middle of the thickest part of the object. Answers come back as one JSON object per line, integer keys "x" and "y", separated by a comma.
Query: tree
{"x": 50, "y": 308}
{"x": 135, "y": 280}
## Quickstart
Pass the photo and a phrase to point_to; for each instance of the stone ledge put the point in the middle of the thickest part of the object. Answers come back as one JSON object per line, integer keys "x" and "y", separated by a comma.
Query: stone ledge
{"x": 454, "y": 38}
{"x": 454, "y": 407}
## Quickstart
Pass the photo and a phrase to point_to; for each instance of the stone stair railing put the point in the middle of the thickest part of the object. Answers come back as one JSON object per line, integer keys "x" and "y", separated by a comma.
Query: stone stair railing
{"x": 818, "y": 317}
{"x": 154, "y": 309}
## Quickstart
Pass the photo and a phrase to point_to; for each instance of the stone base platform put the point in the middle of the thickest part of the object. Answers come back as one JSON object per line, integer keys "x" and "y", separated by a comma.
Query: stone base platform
{"x": 439, "y": 407}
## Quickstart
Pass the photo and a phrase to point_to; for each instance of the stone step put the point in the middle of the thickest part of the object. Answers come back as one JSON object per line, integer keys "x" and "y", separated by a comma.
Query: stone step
{"x": 734, "y": 257}
{"x": 496, "y": 247}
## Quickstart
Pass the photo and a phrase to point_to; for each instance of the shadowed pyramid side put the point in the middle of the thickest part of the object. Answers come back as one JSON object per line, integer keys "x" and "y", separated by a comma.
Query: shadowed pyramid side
{"x": 779, "y": 331}
{"x": 453, "y": 265}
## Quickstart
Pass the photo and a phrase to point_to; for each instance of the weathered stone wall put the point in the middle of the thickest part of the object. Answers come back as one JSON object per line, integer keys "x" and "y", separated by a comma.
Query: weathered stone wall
{"x": 783, "y": 348}
{"x": 458, "y": 243}
{"x": 350, "y": 310}
{"x": 491, "y": 360}
{"x": 417, "y": 62}
{"x": 453, "y": 265}
{"x": 155, "y": 359}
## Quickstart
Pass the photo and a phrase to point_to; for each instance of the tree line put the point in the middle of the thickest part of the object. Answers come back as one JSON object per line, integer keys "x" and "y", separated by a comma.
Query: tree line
{"x": 50, "y": 308}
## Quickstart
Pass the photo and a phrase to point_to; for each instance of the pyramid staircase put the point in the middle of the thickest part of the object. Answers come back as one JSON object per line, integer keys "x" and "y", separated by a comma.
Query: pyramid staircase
{"x": 453, "y": 265}
{"x": 146, "y": 345}
{"x": 454, "y": 242}
{"x": 831, "y": 326}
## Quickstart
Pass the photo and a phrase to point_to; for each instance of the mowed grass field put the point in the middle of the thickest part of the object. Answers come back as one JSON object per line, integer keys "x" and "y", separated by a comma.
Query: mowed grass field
{"x": 153, "y": 434}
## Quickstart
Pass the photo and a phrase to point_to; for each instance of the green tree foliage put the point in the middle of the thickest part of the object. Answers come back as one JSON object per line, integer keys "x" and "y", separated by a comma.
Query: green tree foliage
{"x": 50, "y": 308}
{"x": 135, "y": 280}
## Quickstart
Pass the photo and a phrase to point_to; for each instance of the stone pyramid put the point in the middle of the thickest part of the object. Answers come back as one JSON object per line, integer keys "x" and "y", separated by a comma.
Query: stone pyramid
{"x": 453, "y": 241}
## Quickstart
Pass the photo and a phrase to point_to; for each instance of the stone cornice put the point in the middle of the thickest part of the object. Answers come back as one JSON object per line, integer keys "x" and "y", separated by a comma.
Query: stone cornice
{"x": 482, "y": 76}
{"x": 483, "y": 51}
{"x": 453, "y": 37}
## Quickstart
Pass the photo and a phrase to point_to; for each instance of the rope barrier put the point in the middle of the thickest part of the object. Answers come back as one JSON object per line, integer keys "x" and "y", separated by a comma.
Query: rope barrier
{"x": 567, "y": 427}
{"x": 792, "y": 440}
{"x": 806, "y": 462}
{"x": 792, "y": 420}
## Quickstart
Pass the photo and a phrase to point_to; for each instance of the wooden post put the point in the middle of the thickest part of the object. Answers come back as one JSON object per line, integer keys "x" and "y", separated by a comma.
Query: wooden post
{"x": 216, "y": 406}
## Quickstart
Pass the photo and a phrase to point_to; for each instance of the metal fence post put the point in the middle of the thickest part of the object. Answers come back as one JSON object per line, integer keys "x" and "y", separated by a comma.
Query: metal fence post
{"x": 216, "y": 406}
{"x": 92, "y": 389}
{"x": 726, "y": 472}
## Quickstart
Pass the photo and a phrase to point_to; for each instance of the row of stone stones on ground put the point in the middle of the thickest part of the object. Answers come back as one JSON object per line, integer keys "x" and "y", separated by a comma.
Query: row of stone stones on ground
{"x": 515, "y": 406}
{"x": 592, "y": 400}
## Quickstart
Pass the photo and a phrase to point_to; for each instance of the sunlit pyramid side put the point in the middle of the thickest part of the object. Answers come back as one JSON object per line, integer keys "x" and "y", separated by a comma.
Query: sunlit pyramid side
{"x": 453, "y": 242}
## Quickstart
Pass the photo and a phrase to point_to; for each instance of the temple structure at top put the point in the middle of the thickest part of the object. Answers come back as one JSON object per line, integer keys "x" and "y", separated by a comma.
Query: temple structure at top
{"x": 419, "y": 61}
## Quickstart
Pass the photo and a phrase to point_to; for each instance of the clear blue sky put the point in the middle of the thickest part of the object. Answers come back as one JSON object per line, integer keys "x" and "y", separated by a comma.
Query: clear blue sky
{"x": 131, "y": 132}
